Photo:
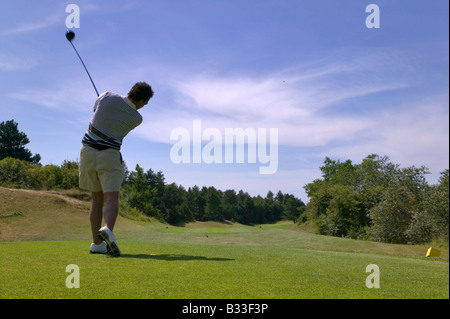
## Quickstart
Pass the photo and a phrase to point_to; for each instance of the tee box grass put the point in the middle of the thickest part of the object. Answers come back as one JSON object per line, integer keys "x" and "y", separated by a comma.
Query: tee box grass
{"x": 203, "y": 260}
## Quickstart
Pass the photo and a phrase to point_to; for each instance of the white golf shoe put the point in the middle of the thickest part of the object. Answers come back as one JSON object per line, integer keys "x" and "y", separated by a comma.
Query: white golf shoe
{"x": 99, "y": 249}
{"x": 107, "y": 235}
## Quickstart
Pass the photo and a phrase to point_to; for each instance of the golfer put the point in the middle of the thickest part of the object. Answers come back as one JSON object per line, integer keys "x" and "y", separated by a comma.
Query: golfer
{"x": 101, "y": 171}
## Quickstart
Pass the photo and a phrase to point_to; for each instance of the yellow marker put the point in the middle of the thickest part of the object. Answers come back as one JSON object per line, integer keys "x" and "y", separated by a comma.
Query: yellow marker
{"x": 433, "y": 252}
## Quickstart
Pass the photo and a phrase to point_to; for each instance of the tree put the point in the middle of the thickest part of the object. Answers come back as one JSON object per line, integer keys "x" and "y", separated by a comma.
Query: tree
{"x": 344, "y": 216}
{"x": 12, "y": 143}
{"x": 196, "y": 202}
{"x": 176, "y": 210}
{"x": 335, "y": 172}
{"x": 436, "y": 206}
{"x": 245, "y": 208}
{"x": 273, "y": 208}
{"x": 399, "y": 217}
{"x": 14, "y": 173}
{"x": 138, "y": 194}
{"x": 291, "y": 208}
{"x": 213, "y": 205}
{"x": 229, "y": 202}
{"x": 379, "y": 199}
{"x": 392, "y": 217}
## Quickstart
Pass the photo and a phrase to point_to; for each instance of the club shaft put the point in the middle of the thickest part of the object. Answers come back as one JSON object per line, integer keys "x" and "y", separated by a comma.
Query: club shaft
{"x": 90, "y": 78}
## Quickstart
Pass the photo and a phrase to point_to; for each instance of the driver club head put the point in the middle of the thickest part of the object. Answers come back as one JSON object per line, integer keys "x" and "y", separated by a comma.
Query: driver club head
{"x": 70, "y": 35}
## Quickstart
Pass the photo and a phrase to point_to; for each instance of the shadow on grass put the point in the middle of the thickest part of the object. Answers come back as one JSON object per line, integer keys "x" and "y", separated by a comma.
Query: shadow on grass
{"x": 172, "y": 257}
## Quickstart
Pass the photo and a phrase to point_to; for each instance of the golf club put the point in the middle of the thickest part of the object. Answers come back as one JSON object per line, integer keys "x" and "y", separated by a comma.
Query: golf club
{"x": 70, "y": 35}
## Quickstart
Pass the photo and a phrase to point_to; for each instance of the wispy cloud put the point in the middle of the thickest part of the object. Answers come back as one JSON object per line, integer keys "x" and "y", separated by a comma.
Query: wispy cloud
{"x": 418, "y": 134}
{"x": 57, "y": 16}
{"x": 47, "y": 22}
{"x": 65, "y": 98}
{"x": 299, "y": 102}
{"x": 9, "y": 62}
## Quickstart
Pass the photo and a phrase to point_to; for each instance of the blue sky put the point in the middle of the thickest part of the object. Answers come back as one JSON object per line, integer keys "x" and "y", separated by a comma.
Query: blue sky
{"x": 310, "y": 68}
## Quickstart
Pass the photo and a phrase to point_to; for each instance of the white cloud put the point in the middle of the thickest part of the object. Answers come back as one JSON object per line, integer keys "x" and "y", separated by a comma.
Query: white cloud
{"x": 67, "y": 98}
{"x": 10, "y": 62}
{"x": 414, "y": 134}
{"x": 296, "y": 101}
{"x": 49, "y": 21}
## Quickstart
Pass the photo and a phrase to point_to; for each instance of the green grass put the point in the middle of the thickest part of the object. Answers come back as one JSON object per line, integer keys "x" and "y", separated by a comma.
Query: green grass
{"x": 182, "y": 263}
{"x": 234, "y": 261}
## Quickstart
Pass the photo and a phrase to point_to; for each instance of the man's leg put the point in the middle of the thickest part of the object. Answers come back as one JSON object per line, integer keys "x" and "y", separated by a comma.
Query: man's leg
{"x": 96, "y": 215}
{"x": 111, "y": 209}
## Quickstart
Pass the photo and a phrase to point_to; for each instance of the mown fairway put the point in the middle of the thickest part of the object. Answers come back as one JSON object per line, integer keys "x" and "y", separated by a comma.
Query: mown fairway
{"x": 207, "y": 260}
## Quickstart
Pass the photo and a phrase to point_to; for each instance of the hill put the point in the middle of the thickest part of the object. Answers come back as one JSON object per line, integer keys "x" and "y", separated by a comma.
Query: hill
{"x": 28, "y": 215}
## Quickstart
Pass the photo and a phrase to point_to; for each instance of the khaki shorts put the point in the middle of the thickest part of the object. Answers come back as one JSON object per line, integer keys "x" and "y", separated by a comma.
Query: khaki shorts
{"x": 100, "y": 171}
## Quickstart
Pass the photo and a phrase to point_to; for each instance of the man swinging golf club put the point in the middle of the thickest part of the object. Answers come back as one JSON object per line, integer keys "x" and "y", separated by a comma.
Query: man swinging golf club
{"x": 101, "y": 170}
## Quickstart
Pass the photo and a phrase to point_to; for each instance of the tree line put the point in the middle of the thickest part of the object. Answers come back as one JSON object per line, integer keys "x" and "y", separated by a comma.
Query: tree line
{"x": 151, "y": 195}
{"x": 378, "y": 200}
{"x": 148, "y": 192}
{"x": 375, "y": 200}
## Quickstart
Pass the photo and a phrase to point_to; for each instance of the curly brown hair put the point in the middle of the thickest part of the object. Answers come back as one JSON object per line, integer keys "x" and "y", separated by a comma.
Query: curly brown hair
{"x": 141, "y": 91}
